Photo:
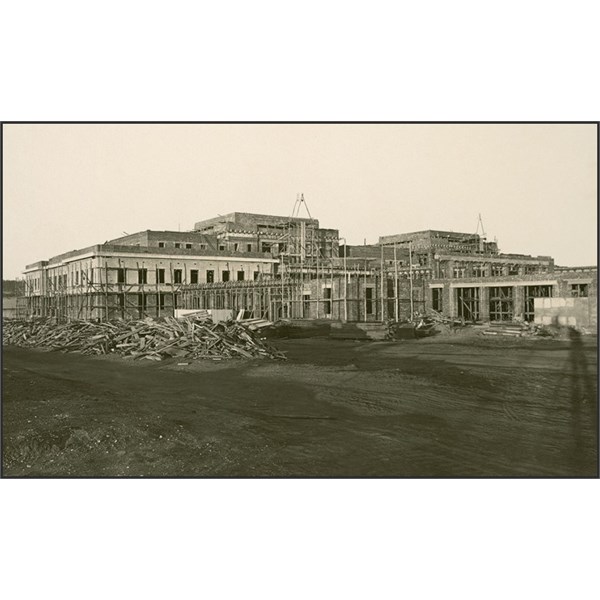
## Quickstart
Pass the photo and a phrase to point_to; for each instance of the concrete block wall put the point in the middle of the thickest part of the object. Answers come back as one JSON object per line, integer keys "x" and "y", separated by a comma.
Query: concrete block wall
{"x": 568, "y": 277}
{"x": 573, "y": 312}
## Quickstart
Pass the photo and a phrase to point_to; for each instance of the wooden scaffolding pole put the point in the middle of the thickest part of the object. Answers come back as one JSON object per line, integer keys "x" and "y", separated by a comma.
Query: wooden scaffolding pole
{"x": 395, "y": 284}
{"x": 106, "y": 289}
{"x": 381, "y": 283}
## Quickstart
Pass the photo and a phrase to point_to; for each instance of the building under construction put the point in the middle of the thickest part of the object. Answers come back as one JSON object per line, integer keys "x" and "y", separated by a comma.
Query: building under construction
{"x": 291, "y": 268}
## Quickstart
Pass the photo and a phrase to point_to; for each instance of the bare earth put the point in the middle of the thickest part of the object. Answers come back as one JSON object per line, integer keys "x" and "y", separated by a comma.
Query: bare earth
{"x": 452, "y": 407}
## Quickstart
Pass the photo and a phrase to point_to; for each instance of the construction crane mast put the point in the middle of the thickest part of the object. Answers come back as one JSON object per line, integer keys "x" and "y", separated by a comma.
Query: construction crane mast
{"x": 482, "y": 238}
{"x": 480, "y": 222}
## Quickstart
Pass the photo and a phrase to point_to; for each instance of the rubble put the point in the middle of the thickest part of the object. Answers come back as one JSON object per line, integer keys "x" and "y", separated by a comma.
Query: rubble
{"x": 191, "y": 337}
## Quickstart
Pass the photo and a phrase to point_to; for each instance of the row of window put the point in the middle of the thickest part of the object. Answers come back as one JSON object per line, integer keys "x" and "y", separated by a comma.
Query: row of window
{"x": 55, "y": 282}
{"x": 179, "y": 245}
{"x": 178, "y": 276}
{"x": 61, "y": 281}
{"x": 222, "y": 247}
{"x": 265, "y": 247}
{"x": 494, "y": 271}
{"x": 501, "y": 300}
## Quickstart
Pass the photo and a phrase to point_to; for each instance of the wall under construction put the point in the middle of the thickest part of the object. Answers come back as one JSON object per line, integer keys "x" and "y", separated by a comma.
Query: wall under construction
{"x": 290, "y": 268}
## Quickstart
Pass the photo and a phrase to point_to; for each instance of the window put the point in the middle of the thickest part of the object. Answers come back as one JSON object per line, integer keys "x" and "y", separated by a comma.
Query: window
{"x": 256, "y": 275}
{"x": 210, "y": 276}
{"x": 225, "y": 275}
{"x": 120, "y": 275}
{"x": 91, "y": 277}
{"x": 265, "y": 247}
{"x": 479, "y": 271}
{"x": 513, "y": 269}
{"x": 194, "y": 276}
{"x": 177, "y": 245}
{"x": 369, "y": 300}
{"x": 327, "y": 296}
{"x": 248, "y": 247}
{"x": 188, "y": 246}
{"x": 161, "y": 244}
{"x": 305, "y": 305}
{"x": 76, "y": 278}
{"x": 501, "y": 304}
{"x": 161, "y": 276}
{"x": 240, "y": 275}
{"x": 390, "y": 288}
{"x": 202, "y": 246}
{"x": 532, "y": 292}
{"x": 458, "y": 272}
{"x": 579, "y": 290}
{"x": 467, "y": 300}
{"x": 436, "y": 299}
{"x": 142, "y": 275}
{"x": 497, "y": 270}
{"x": 236, "y": 247}
{"x": 177, "y": 276}
{"x": 391, "y": 294}
{"x": 222, "y": 248}
{"x": 161, "y": 301}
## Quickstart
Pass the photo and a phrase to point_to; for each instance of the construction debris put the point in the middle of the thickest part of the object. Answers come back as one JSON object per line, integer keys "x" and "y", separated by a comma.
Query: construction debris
{"x": 193, "y": 337}
{"x": 507, "y": 329}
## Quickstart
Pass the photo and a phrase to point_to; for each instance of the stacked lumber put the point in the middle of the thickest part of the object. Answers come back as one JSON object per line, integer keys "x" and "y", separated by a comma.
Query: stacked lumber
{"x": 506, "y": 329}
{"x": 255, "y": 324}
{"x": 192, "y": 337}
{"x": 252, "y": 323}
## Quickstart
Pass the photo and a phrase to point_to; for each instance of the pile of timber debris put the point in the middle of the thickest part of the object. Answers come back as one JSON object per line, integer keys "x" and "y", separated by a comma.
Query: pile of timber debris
{"x": 433, "y": 316}
{"x": 193, "y": 337}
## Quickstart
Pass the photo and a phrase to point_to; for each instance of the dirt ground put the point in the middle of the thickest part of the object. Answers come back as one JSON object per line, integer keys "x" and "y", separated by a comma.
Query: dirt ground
{"x": 470, "y": 406}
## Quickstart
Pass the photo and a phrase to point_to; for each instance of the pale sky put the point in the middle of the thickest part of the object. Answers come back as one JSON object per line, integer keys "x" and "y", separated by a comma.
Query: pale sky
{"x": 71, "y": 186}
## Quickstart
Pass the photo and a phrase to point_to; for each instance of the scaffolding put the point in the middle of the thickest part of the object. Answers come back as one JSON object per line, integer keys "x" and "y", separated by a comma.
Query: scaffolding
{"x": 310, "y": 281}
{"x": 96, "y": 298}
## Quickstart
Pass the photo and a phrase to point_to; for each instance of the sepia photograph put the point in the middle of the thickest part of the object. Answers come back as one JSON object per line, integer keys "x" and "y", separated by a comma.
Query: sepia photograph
{"x": 300, "y": 300}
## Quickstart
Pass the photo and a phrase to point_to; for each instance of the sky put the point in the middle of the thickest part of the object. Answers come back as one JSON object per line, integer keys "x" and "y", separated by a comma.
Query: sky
{"x": 71, "y": 186}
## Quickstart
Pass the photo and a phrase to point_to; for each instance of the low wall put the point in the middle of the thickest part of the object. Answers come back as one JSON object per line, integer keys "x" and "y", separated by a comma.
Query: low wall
{"x": 573, "y": 312}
